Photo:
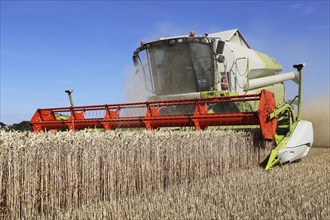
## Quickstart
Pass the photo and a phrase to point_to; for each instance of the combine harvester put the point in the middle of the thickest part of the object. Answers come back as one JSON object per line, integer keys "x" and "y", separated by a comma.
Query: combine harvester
{"x": 201, "y": 81}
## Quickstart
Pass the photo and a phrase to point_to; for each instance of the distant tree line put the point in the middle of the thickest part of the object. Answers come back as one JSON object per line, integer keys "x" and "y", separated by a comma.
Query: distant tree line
{"x": 22, "y": 126}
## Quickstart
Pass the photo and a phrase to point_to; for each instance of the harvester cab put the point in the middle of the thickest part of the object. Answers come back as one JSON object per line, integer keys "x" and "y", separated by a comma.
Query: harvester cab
{"x": 197, "y": 66}
{"x": 215, "y": 80}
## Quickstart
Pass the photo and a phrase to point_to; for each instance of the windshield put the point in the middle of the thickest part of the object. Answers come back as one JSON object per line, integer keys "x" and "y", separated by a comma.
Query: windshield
{"x": 181, "y": 68}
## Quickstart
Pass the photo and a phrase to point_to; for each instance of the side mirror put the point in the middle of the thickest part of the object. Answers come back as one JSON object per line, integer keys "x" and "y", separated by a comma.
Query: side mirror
{"x": 221, "y": 58}
{"x": 220, "y": 47}
{"x": 135, "y": 60}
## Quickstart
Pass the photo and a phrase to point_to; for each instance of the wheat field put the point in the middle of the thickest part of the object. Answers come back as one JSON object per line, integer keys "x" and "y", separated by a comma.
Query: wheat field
{"x": 161, "y": 174}
{"x": 294, "y": 191}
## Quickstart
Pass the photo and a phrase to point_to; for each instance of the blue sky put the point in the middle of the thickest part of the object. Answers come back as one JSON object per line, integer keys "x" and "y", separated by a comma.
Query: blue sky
{"x": 50, "y": 46}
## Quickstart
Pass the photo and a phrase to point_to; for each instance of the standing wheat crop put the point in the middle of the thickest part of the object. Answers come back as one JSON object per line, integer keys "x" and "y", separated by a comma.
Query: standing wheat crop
{"x": 41, "y": 174}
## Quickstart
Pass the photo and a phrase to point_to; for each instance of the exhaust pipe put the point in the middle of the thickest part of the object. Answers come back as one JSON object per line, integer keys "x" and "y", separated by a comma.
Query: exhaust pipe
{"x": 69, "y": 92}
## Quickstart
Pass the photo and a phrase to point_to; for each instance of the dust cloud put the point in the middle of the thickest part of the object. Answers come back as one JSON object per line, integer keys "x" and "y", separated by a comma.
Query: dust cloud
{"x": 134, "y": 86}
{"x": 317, "y": 111}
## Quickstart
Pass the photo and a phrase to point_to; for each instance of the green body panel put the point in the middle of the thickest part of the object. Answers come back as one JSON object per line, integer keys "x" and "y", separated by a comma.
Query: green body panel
{"x": 62, "y": 117}
{"x": 277, "y": 89}
{"x": 285, "y": 127}
{"x": 271, "y": 65}
{"x": 286, "y": 121}
{"x": 226, "y": 107}
{"x": 273, "y": 160}
{"x": 216, "y": 93}
{"x": 299, "y": 68}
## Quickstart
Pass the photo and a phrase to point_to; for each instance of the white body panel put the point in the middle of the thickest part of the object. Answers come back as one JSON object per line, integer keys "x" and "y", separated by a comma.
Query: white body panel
{"x": 238, "y": 61}
{"x": 299, "y": 143}
{"x": 241, "y": 62}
